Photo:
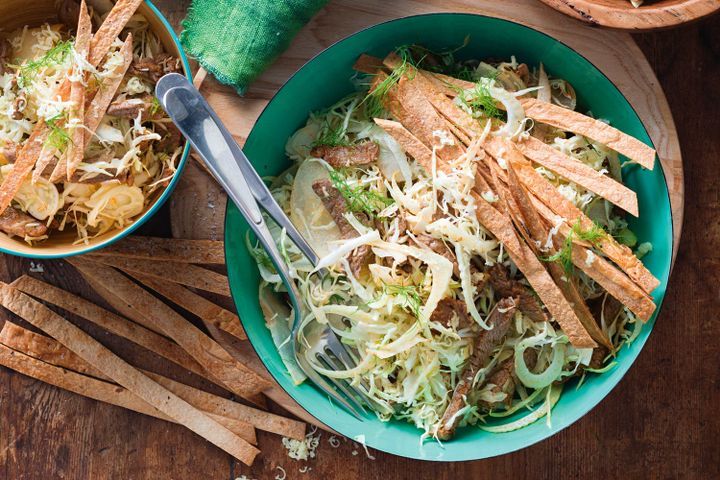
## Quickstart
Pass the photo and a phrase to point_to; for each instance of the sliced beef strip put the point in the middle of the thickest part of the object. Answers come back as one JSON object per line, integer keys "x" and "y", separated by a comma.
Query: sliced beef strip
{"x": 335, "y": 205}
{"x": 154, "y": 68}
{"x": 500, "y": 319}
{"x": 15, "y": 222}
{"x": 131, "y": 107}
{"x": 504, "y": 286}
{"x": 171, "y": 139}
{"x": 610, "y": 308}
{"x": 363, "y": 153}
{"x": 447, "y": 308}
{"x": 503, "y": 378}
{"x": 439, "y": 247}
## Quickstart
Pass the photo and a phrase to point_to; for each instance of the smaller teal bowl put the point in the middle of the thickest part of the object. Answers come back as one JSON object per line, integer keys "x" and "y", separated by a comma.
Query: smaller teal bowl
{"x": 324, "y": 80}
{"x": 60, "y": 245}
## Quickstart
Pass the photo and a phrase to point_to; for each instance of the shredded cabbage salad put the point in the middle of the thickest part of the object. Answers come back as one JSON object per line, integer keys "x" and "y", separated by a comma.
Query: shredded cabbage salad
{"x": 126, "y": 164}
{"x": 409, "y": 358}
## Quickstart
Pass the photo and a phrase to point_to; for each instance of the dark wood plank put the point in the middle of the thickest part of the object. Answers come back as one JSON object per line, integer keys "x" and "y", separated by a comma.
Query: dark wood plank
{"x": 660, "y": 422}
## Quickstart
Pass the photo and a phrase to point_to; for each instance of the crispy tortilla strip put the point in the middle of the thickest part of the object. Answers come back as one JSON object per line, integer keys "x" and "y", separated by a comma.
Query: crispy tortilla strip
{"x": 24, "y": 163}
{"x": 106, "y": 92}
{"x": 539, "y": 233}
{"x": 208, "y": 402}
{"x": 50, "y": 351}
{"x": 45, "y": 160}
{"x": 620, "y": 254}
{"x": 368, "y": 64}
{"x": 46, "y": 349}
{"x": 419, "y": 116}
{"x": 446, "y": 107}
{"x": 167, "y": 249}
{"x": 54, "y": 353}
{"x": 111, "y": 28}
{"x": 502, "y": 228}
{"x": 76, "y": 147}
{"x": 124, "y": 374}
{"x": 107, "y": 320}
{"x": 614, "y": 282}
{"x": 601, "y": 132}
{"x": 76, "y": 382}
{"x": 579, "y": 173}
{"x": 213, "y": 358}
{"x": 409, "y": 142}
{"x": 182, "y": 273}
{"x": 195, "y": 304}
{"x": 538, "y": 152}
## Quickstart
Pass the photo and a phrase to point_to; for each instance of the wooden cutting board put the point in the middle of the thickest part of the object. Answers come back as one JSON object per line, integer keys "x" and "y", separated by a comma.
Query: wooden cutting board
{"x": 198, "y": 205}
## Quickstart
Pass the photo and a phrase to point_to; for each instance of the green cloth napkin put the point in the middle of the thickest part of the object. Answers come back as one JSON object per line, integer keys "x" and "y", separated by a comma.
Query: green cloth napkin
{"x": 236, "y": 40}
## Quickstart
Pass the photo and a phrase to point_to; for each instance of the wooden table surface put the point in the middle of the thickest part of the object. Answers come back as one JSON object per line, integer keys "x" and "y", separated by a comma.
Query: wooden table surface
{"x": 660, "y": 422}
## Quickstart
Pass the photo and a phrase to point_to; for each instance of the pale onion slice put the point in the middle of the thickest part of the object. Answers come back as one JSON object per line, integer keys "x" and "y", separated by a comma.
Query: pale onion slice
{"x": 307, "y": 211}
{"x": 114, "y": 203}
{"x": 40, "y": 199}
{"x": 532, "y": 417}
{"x": 544, "y": 94}
{"x": 392, "y": 161}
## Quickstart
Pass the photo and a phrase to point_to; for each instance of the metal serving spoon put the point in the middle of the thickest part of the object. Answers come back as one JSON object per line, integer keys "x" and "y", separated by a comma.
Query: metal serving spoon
{"x": 233, "y": 171}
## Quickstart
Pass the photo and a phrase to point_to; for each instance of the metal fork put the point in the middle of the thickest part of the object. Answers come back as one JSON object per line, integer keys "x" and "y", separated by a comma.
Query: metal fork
{"x": 233, "y": 171}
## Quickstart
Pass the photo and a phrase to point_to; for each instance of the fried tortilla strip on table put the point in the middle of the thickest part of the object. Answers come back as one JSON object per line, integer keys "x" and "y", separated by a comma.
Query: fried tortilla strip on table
{"x": 550, "y": 196}
{"x": 540, "y": 233}
{"x": 213, "y": 358}
{"x": 166, "y": 249}
{"x": 182, "y": 273}
{"x": 526, "y": 261}
{"x": 499, "y": 319}
{"x": 597, "y": 130}
{"x": 123, "y": 373}
{"x": 197, "y": 305}
{"x": 136, "y": 333}
{"x": 76, "y": 147}
{"x": 46, "y": 349}
{"x": 100, "y": 103}
{"x": 52, "y": 352}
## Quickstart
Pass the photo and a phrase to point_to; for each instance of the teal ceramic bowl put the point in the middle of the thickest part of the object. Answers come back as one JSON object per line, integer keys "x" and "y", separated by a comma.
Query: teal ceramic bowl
{"x": 324, "y": 80}
{"x": 61, "y": 244}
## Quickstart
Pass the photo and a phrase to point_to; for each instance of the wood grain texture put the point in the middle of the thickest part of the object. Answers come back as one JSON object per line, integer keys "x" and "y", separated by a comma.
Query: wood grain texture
{"x": 620, "y": 14}
{"x": 660, "y": 422}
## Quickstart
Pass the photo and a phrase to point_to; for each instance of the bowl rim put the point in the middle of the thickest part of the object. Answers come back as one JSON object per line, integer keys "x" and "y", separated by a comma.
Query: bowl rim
{"x": 167, "y": 191}
{"x": 626, "y": 17}
{"x": 587, "y": 406}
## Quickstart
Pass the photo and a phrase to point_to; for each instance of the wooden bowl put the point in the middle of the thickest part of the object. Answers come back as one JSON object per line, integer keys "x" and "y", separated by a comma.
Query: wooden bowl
{"x": 15, "y": 14}
{"x": 621, "y": 14}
